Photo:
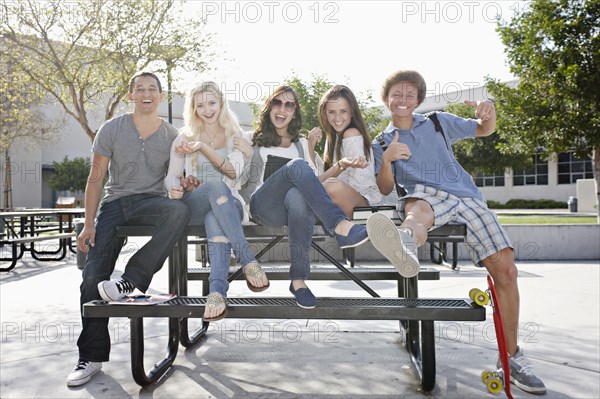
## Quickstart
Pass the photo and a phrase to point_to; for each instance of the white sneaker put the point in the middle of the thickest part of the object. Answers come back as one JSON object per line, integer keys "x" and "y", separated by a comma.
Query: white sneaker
{"x": 113, "y": 290}
{"x": 396, "y": 245}
{"x": 83, "y": 372}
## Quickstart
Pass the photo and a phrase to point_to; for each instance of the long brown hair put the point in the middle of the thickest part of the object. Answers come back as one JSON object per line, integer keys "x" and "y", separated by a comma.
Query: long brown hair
{"x": 266, "y": 135}
{"x": 357, "y": 122}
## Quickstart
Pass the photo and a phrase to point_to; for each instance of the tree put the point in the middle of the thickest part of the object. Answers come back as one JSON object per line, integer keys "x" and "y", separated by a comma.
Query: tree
{"x": 20, "y": 116}
{"x": 20, "y": 119}
{"x": 82, "y": 53}
{"x": 70, "y": 175}
{"x": 554, "y": 49}
{"x": 309, "y": 94}
{"x": 483, "y": 154}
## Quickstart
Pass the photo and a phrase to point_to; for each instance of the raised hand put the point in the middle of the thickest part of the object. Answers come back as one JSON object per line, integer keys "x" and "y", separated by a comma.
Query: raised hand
{"x": 314, "y": 137}
{"x": 186, "y": 148}
{"x": 484, "y": 110}
{"x": 359, "y": 162}
{"x": 397, "y": 150}
{"x": 240, "y": 144}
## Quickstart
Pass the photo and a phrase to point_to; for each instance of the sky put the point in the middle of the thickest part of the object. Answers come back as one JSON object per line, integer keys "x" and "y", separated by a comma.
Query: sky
{"x": 259, "y": 44}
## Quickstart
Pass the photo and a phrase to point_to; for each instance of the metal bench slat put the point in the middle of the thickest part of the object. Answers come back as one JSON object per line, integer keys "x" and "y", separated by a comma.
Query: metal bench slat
{"x": 251, "y": 230}
{"x": 286, "y": 308}
{"x": 22, "y": 240}
{"x": 326, "y": 273}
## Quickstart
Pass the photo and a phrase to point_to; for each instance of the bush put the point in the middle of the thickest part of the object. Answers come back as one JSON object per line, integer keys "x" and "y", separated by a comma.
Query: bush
{"x": 70, "y": 175}
{"x": 528, "y": 204}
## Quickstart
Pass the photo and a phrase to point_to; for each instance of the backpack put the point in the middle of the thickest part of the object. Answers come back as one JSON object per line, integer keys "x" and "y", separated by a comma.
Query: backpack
{"x": 400, "y": 190}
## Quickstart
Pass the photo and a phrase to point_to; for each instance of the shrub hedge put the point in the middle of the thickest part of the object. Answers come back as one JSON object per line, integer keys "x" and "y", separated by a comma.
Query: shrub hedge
{"x": 528, "y": 204}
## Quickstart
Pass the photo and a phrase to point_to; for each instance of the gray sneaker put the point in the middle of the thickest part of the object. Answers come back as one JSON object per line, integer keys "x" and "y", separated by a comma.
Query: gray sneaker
{"x": 397, "y": 246}
{"x": 521, "y": 374}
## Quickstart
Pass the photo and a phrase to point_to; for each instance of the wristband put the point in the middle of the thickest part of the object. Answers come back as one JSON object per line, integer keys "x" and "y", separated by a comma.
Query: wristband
{"x": 339, "y": 164}
{"x": 222, "y": 163}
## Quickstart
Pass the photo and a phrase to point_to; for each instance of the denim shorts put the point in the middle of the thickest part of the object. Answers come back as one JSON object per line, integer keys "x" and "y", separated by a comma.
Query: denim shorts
{"x": 485, "y": 234}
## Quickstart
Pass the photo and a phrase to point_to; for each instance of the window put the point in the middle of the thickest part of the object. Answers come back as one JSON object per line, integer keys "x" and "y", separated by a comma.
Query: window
{"x": 571, "y": 168}
{"x": 537, "y": 175}
{"x": 483, "y": 180}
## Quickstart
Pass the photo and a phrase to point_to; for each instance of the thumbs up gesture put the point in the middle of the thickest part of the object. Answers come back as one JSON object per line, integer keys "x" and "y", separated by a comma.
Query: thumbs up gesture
{"x": 396, "y": 150}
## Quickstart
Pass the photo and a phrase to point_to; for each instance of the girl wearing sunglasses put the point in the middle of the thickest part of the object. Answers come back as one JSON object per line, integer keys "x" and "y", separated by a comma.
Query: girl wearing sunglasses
{"x": 349, "y": 177}
{"x": 292, "y": 195}
{"x": 212, "y": 149}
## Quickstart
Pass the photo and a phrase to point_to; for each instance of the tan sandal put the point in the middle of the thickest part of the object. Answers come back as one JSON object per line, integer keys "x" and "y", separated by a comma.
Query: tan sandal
{"x": 213, "y": 300}
{"x": 255, "y": 271}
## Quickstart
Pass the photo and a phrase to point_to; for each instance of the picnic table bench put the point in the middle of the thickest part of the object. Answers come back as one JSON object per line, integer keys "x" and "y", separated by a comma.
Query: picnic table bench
{"x": 416, "y": 315}
{"x": 22, "y": 229}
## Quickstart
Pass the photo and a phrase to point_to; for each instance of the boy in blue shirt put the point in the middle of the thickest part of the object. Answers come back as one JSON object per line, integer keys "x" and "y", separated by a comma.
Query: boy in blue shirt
{"x": 412, "y": 154}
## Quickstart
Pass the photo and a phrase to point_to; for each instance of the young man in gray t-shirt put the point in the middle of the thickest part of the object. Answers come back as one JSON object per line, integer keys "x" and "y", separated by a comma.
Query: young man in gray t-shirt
{"x": 134, "y": 150}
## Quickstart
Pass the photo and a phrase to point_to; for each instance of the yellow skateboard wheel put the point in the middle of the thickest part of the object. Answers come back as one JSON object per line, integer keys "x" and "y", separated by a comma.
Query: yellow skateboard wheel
{"x": 481, "y": 298}
{"x": 485, "y": 375}
{"x": 494, "y": 385}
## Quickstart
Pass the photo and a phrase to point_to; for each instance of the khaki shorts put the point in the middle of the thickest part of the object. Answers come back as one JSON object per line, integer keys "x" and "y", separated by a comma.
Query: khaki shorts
{"x": 485, "y": 234}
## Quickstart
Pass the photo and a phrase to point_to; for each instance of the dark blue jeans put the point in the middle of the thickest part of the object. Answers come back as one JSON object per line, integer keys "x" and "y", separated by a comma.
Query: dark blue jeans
{"x": 213, "y": 206}
{"x": 170, "y": 218}
{"x": 293, "y": 196}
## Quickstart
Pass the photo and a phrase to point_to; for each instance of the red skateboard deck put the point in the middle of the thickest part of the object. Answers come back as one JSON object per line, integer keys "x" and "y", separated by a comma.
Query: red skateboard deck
{"x": 499, "y": 379}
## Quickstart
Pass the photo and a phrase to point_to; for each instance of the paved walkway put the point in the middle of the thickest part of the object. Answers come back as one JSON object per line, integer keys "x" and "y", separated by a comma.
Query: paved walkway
{"x": 559, "y": 331}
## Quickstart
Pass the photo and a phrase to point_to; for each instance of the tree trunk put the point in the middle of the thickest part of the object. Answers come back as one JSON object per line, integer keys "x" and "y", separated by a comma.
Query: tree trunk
{"x": 596, "y": 169}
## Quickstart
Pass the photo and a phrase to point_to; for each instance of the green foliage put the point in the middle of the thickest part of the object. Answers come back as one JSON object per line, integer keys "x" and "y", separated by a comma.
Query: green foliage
{"x": 309, "y": 95}
{"x": 70, "y": 175}
{"x": 554, "y": 49}
{"x": 19, "y": 117}
{"x": 483, "y": 154}
{"x": 518, "y": 203}
{"x": 82, "y": 53}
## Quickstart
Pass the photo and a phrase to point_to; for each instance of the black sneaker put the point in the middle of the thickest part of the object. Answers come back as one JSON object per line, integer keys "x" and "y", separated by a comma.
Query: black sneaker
{"x": 113, "y": 290}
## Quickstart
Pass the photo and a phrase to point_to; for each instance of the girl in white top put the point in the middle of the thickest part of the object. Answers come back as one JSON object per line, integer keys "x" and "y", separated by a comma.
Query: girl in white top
{"x": 349, "y": 176}
{"x": 293, "y": 196}
{"x": 212, "y": 146}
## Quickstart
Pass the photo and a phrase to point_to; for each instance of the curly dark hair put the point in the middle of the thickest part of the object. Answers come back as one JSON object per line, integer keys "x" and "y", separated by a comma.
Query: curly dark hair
{"x": 410, "y": 76}
{"x": 266, "y": 135}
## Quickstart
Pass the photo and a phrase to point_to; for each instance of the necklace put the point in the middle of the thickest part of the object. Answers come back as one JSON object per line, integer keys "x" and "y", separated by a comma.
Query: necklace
{"x": 211, "y": 141}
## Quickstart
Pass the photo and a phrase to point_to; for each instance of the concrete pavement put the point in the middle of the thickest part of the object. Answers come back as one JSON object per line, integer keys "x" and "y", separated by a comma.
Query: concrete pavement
{"x": 559, "y": 331}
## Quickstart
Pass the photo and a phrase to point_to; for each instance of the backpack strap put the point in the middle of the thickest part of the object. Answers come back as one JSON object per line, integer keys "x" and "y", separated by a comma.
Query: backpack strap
{"x": 400, "y": 190}
{"x": 437, "y": 125}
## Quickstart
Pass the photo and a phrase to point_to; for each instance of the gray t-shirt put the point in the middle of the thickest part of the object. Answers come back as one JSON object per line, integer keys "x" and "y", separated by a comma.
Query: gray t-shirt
{"x": 137, "y": 166}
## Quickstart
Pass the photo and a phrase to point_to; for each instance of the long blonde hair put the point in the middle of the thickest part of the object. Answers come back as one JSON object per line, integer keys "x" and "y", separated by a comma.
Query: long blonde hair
{"x": 194, "y": 124}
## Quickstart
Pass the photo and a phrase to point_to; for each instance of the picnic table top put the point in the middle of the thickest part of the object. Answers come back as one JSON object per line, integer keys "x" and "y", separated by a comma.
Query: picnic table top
{"x": 42, "y": 212}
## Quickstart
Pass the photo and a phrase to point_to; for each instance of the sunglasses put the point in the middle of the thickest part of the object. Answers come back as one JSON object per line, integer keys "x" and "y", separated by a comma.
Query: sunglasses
{"x": 289, "y": 105}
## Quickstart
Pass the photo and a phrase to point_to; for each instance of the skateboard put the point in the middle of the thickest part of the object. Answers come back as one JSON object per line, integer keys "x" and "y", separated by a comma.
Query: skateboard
{"x": 498, "y": 379}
